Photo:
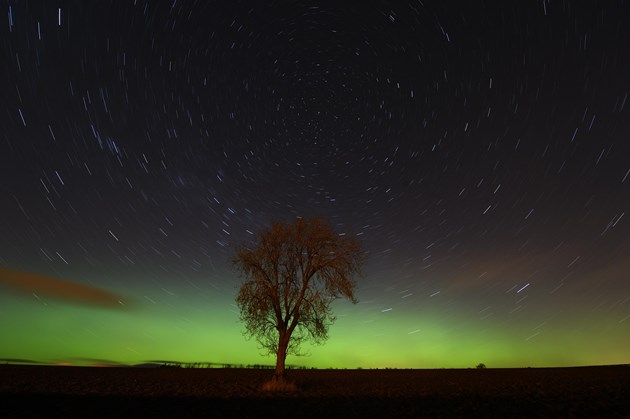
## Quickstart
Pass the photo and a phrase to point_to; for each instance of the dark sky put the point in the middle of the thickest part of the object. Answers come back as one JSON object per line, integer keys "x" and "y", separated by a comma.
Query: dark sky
{"x": 479, "y": 149}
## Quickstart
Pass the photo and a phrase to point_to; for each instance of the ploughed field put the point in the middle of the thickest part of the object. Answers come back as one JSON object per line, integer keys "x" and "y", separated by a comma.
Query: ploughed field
{"x": 47, "y": 391}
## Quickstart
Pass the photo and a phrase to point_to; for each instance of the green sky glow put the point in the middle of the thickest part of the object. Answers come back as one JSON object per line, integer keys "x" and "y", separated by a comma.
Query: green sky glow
{"x": 196, "y": 328}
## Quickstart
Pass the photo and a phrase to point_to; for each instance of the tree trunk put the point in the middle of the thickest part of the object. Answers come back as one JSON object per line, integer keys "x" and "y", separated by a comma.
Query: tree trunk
{"x": 283, "y": 342}
{"x": 279, "y": 381}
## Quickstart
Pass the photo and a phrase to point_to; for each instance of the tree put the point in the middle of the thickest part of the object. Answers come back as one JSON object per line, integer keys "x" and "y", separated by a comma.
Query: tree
{"x": 293, "y": 271}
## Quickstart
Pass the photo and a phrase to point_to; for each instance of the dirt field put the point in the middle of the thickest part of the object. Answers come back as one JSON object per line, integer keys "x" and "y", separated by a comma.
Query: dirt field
{"x": 40, "y": 391}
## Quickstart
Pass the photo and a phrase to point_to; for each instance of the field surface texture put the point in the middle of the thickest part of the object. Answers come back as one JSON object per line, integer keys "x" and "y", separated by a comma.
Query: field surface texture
{"x": 46, "y": 391}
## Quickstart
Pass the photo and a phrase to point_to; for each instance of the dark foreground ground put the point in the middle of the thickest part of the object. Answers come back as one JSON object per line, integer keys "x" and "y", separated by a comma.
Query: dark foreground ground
{"x": 41, "y": 391}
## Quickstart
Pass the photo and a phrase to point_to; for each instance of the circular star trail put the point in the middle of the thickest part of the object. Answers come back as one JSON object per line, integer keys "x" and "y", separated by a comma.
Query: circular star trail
{"x": 479, "y": 150}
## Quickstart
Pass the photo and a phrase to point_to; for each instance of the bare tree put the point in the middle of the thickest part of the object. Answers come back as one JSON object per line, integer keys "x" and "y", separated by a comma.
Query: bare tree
{"x": 293, "y": 271}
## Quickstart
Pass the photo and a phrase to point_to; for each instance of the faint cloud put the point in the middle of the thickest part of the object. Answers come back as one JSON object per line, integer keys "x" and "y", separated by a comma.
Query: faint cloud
{"x": 73, "y": 292}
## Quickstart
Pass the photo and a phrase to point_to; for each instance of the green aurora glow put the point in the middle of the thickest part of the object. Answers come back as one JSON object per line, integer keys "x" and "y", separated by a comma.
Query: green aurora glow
{"x": 194, "y": 328}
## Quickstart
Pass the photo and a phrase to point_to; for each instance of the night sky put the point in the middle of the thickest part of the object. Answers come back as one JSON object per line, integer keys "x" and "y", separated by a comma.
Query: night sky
{"x": 479, "y": 150}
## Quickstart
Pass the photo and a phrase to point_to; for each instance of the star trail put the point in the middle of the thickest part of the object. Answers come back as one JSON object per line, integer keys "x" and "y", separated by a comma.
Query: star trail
{"x": 479, "y": 150}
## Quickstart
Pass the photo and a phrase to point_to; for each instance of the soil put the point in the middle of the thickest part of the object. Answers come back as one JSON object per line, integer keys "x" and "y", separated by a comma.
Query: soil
{"x": 50, "y": 391}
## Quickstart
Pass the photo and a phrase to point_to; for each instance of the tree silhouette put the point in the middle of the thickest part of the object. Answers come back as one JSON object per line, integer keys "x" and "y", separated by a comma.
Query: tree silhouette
{"x": 293, "y": 271}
